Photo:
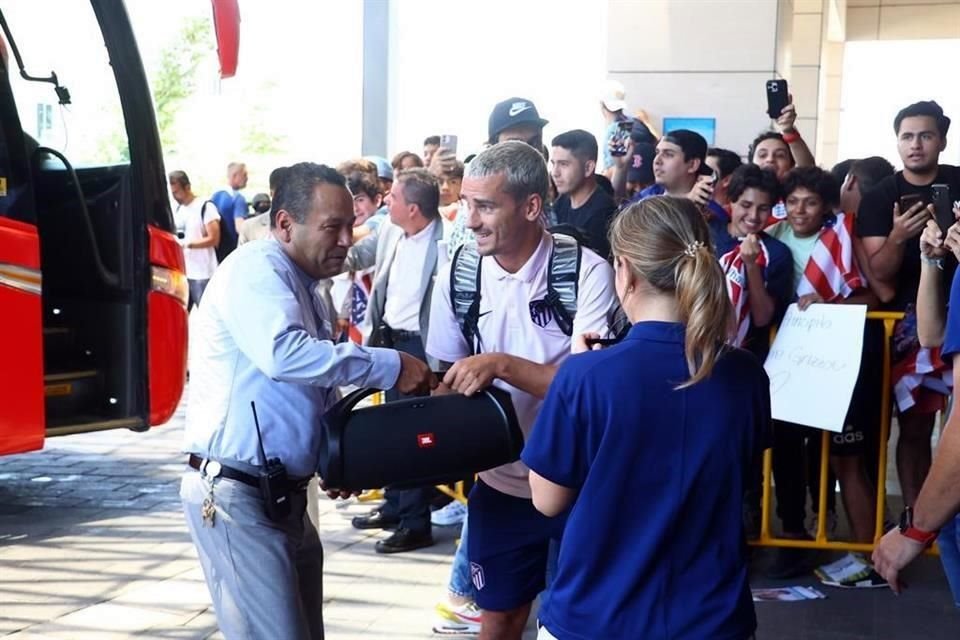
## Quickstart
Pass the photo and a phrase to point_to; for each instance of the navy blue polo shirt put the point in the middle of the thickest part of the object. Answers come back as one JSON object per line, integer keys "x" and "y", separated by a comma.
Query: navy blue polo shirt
{"x": 717, "y": 212}
{"x": 654, "y": 546}
{"x": 951, "y": 336}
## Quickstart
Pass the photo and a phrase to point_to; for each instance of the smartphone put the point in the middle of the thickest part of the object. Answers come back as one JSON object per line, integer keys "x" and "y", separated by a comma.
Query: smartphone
{"x": 620, "y": 138}
{"x": 910, "y": 200}
{"x": 777, "y": 97}
{"x": 710, "y": 172}
{"x": 603, "y": 342}
{"x": 942, "y": 207}
{"x": 449, "y": 141}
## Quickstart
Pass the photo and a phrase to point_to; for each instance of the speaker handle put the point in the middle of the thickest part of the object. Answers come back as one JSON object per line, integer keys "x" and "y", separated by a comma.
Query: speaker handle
{"x": 334, "y": 421}
{"x": 351, "y": 400}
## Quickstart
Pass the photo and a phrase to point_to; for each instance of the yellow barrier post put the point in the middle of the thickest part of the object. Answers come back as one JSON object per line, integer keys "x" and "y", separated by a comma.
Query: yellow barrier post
{"x": 767, "y": 505}
{"x": 456, "y": 493}
{"x": 889, "y": 319}
{"x": 766, "y": 538}
{"x": 824, "y": 480}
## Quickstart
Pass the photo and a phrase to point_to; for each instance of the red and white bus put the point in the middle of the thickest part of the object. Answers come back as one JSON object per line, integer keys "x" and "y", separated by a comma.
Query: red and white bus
{"x": 93, "y": 322}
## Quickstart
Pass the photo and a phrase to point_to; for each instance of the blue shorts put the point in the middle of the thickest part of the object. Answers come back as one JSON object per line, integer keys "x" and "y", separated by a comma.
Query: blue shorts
{"x": 507, "y": 547}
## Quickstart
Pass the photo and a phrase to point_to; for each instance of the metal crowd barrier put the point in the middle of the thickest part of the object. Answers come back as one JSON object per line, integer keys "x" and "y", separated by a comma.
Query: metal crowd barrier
{"x": 767, "y": 539}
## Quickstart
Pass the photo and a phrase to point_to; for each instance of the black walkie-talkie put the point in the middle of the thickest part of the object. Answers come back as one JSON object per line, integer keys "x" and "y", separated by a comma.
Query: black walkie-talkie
{"x": 274, "y": 486}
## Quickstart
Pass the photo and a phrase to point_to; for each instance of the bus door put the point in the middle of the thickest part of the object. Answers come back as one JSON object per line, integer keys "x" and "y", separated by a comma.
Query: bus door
{"x": 21, "y": 340}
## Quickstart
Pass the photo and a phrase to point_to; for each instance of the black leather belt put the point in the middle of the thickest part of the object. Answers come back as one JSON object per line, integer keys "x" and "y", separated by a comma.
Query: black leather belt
{"x": 196, "y": 462}
{"x": 400, "y": 334}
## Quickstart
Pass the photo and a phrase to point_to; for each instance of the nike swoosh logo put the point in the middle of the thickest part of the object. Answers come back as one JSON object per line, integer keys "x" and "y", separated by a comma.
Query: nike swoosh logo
{"x": 518, "y": 108}
{"x": 485, "y": 313}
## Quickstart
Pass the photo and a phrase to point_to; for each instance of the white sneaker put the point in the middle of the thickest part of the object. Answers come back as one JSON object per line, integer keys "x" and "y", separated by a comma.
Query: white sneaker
{"x": 450, "y": 515}
{"x": 840, "y": 570}
{"x": 852, "y": 571}
{"x": 457, "y": 621}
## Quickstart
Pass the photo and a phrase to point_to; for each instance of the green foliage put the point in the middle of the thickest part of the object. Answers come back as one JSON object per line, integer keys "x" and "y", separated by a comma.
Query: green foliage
{"x": 257, "y": 140}
{"x": 175, "y": 79}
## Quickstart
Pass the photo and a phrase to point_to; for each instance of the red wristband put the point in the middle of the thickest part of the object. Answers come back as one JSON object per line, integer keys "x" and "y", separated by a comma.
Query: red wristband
{"x": 791, "y": 137}
{"x": 925, "y": 538}
{"x": 907, "y": 529}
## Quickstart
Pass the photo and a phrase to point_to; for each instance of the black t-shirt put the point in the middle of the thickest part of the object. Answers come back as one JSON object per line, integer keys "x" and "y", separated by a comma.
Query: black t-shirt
{"x": 592, "y": 219}
{"x": 875, "y": 219}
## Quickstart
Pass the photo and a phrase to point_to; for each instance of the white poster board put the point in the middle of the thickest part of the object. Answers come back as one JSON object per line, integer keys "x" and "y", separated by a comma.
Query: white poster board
{"x": 814, "y": 362}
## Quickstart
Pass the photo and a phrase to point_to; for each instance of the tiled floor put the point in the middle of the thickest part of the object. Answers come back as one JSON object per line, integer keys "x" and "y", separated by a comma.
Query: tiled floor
{"x": 92, "y": 545}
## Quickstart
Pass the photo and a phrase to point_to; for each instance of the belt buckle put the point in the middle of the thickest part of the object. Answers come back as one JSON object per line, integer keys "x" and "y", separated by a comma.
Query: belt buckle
{"x": 210, "y": 468}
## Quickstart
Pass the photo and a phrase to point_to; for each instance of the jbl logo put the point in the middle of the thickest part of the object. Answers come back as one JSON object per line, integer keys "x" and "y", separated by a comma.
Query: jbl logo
{"x": 425, "y": 440}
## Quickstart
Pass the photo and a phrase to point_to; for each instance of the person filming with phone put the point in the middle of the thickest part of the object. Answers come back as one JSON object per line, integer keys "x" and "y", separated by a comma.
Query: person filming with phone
{"x": 890, "y": 220}
{"x": 938, "y": 505}
{"x": 680, "y": 169}
{"x": 794, "y": 152}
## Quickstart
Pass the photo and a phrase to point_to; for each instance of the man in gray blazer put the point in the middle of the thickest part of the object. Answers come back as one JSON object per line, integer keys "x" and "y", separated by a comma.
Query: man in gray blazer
{"x": 406, "y": 255}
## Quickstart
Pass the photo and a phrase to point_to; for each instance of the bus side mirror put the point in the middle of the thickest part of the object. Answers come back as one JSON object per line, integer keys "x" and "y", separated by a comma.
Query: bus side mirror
{"x": 226, "y": 22}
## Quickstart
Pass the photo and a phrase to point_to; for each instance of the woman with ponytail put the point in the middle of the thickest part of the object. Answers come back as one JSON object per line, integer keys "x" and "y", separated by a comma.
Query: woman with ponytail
{"x": 672, "y": 418}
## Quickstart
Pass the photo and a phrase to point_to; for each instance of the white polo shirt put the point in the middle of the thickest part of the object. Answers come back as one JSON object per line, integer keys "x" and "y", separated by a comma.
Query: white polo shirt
{"x": 509, "y": 306}
{"x": 405, "y": 287}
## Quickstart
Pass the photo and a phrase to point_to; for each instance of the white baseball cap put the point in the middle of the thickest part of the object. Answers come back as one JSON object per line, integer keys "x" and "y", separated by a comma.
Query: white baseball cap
{"x": 614, "y": 96}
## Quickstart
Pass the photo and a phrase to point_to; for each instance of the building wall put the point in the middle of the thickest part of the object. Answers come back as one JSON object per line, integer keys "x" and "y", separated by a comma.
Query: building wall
{"x": 902, "y": 19}
{"x": 701, "y": 58}
{"x": 710, "y": 58}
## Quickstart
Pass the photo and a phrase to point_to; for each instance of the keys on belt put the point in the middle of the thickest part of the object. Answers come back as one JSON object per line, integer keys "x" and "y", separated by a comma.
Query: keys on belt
{"x": 213, "y": 469}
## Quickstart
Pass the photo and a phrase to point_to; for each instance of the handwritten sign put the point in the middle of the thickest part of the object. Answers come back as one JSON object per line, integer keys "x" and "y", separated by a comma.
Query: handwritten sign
{"x": 814, "y": 362}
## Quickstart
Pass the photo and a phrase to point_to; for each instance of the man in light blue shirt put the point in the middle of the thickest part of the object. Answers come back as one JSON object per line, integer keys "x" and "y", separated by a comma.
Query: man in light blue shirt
{"x": 263, "y": 336}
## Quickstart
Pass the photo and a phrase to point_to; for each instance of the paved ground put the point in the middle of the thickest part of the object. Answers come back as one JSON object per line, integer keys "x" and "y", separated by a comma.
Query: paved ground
{"x": 92, "y": 545}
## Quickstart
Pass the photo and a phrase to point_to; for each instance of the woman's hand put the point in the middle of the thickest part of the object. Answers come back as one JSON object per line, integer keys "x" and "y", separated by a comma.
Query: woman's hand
{"x": 580, "y": 343}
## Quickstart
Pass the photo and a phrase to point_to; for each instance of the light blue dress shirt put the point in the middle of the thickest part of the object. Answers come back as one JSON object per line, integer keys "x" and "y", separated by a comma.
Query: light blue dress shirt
{"x": 262, "y": 334}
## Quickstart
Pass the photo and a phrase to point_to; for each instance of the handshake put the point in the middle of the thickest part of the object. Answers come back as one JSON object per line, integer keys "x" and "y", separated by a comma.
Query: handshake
{"x": 468, "y": 376}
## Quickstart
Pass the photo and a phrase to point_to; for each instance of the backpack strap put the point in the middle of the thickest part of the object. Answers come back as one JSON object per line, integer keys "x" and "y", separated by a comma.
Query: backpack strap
{"x": 465, "y": 293}
{"x": 563, "y": 280}
{"x": 617, "y": 321}
{"x": 203, "y": 223}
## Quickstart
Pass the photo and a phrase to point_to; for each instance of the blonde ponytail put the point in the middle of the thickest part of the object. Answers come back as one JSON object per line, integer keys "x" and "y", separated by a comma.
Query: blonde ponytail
{"x": 667, "y": 243}
{"x": 705, "y": 310}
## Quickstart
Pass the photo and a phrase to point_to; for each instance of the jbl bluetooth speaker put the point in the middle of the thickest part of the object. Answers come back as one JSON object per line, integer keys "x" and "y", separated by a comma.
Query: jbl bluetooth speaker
{"x": 418, "y": 441}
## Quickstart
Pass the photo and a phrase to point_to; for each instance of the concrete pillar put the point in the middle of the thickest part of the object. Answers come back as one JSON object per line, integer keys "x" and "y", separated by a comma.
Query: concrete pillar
{"x": 816, "y": 73}
{"x": 376, "y": 37}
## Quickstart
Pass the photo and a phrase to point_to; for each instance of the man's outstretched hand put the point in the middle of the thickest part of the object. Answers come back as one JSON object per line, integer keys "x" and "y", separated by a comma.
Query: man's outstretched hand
{"x": 473, "y": 374}
{"x": 416, "y": 378}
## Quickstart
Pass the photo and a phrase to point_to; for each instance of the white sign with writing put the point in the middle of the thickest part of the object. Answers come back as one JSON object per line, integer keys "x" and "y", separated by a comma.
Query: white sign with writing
{"x": 814, "y": 362}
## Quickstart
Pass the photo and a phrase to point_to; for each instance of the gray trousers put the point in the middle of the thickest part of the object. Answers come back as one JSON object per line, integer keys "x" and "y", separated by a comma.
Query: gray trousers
{"x": 265, "y": 578}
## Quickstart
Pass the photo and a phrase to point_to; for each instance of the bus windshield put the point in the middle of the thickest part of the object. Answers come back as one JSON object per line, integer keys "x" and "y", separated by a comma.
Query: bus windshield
{"x": 65, "y": 38}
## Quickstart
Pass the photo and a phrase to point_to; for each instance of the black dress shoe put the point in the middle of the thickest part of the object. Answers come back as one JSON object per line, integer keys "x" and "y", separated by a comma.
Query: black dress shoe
{"x": 405, "y": 540}
{"x": 376, "y": 519}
